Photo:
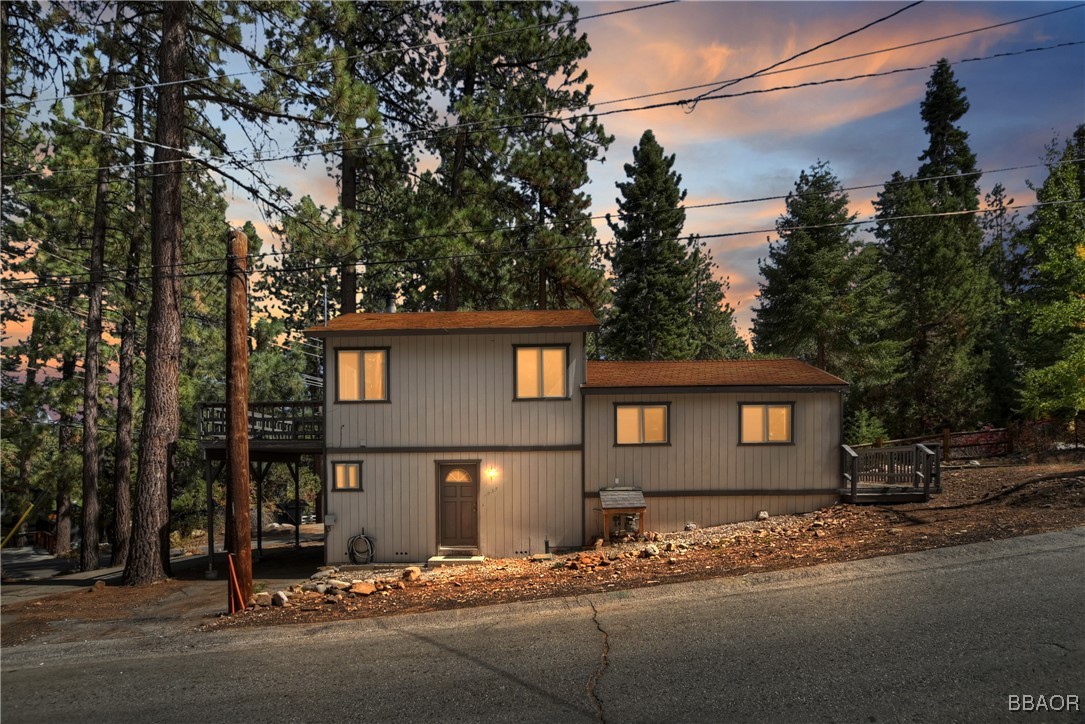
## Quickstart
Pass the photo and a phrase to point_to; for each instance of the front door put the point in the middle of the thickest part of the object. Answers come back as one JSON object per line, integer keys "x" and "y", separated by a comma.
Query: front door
{"x": 457, "y": 485}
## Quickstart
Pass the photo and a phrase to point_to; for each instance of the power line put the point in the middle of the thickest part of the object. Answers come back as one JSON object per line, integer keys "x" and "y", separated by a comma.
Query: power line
{"x": 597, "y": 245}
{"x": 536, "y": 117}
{"x": 727, "y": 84}
{"x": 357, "y": 56}
{"x": 830, "y": 81}
{"x": 596, "y": 217}
{"x": 856, "y": 56}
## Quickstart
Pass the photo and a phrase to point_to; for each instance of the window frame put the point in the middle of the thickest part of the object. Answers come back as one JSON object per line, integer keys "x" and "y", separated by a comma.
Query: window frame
{"x": 565, "y": 347}
{"x": 790, "y": 422}
{"x": 387, "y": 399}
{"x": 666, "y": 405}
{"x": 334, "y": 486}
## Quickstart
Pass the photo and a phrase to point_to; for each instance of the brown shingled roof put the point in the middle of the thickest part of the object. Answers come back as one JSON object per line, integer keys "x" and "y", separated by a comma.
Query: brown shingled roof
{"x": 564, "y": 320}
{"x": 709, "y": 373}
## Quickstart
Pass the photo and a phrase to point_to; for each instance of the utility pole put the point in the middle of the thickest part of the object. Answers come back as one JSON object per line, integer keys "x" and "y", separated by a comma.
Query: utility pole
{"x": 237, "y": 409}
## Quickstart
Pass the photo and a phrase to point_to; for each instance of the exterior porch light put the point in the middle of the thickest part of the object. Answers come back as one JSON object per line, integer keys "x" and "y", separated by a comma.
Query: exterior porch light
{"x": 491, "y": 473}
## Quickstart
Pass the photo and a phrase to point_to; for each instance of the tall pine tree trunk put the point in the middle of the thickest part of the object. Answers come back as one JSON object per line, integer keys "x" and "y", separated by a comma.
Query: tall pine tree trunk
{"x": 122, "y": 458}
{"x": 88, "y": 555}
{"x": 452, "y": 301}
{"x": 65, "y": 436}
{"x": 348, "y": 294}
{"x": 161, "y": 417}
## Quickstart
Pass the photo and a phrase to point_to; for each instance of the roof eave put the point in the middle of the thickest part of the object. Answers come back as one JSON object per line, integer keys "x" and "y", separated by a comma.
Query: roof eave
{"x": 323, "y": 332}
{"x": 686, "y": 389}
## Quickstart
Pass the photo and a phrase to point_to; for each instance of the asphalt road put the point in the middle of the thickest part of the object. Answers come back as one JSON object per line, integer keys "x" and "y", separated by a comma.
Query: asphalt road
{"x": 944, "y": 635}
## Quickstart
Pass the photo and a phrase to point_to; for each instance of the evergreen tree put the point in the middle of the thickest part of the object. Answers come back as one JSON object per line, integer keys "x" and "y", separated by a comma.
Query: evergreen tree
{"x": 713, "y": 316}
{"x": 667, "y": 302}
{"x": 823, "y": 295}
{"x": 1054, "y": 301}
{"x": 938, "y": 279}
{"x": 521, "y": 180}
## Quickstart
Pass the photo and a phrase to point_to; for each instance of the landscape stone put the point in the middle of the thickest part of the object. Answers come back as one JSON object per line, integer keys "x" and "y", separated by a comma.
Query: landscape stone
{"x": 279, "y": 598}
{"x": 263, "y": 599}
{"x": 363, "y": 588}
{"x": 412, "y": 573}
{"x": 651, "y": 551}
{"x": 763, "y": 515}
{"x": 336, "y": 583}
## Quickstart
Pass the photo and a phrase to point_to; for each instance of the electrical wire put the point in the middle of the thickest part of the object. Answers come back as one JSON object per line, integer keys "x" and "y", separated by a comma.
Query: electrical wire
{"x": 785, "y": 61}
{"x": 536, "y": 117}
{"x": 593, "y": 245}
{"x": 357, "y": 56}
{"x": 596, "y": 217}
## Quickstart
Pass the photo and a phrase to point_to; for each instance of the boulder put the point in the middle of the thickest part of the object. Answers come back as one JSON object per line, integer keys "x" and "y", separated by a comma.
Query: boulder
{"x": 263, "y": 599}
{"x": 279, "y": 598}
{"x": 363, "y": 588}
{"x": 412, "y": 573}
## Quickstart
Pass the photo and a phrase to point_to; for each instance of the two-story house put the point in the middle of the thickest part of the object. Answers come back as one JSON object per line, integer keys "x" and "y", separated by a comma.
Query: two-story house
{"x": 491, "y": 433}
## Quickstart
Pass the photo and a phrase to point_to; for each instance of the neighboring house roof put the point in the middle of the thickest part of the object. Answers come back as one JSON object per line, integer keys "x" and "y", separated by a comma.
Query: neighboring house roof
{"x": 605, "y": 376}
{"x": 557, "y": 320}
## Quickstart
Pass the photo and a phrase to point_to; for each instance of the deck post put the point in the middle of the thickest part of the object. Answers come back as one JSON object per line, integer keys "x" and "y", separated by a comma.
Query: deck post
{"x": 295, "y": 470}
{"x": 207, "y": 474}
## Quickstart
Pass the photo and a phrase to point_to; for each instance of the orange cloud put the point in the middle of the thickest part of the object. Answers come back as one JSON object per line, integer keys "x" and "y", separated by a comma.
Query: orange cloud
{"x": 720, "y": 41}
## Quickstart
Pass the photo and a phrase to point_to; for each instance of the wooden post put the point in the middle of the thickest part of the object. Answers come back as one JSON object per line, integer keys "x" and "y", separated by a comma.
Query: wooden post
{"x": 237, "y": 406}
{"x": 296, "y": 472}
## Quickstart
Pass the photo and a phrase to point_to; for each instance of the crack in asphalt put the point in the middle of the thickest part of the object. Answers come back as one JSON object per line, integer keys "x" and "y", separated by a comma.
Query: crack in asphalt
{"x": 604, "y": 661}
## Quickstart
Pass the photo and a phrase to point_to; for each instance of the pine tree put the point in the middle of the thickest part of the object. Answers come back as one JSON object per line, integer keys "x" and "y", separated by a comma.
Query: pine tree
{"x": 938, "y": 279}
{"x": 713, "y": 316}
{"x": 823, "y": 295}
{"x": 1054, "y": 301}
{"x": 651, "y": 316}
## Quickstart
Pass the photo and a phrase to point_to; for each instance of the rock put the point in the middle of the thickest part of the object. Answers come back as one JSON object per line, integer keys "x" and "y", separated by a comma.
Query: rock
{"x": 651, "y": 551}
{"x": 310, "y": 586}
{"x": 763, "y": 515}
{"x": 320, "y": 575}
{"x": 98, "y": 587}
{"x": 399, "y": 585}
{"x": 321, "y": 588}
{"x": 672, "y": 561}
{"x": 263, "y": 599}
{"x": 598, "y": 544}
{"x": 691, "y": 526}
{"x": 363, "y": 588}
{"x": 412, "y": 573}
{"x": 331, "y": 569}
{"x": 336, "y": 583}
{"x": 279, "y": 598}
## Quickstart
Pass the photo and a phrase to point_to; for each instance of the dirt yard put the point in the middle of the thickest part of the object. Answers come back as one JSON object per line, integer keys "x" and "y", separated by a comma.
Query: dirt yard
{"x": 978, "y": 504}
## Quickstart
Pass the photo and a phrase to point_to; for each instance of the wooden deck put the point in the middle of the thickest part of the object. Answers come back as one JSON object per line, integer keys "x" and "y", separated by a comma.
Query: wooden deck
{"x": 278, "y": 431}
{"x": 901, "y": 474}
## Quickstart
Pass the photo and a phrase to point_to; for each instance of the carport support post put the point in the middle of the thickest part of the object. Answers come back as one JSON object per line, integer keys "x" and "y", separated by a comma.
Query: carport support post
{"x": 209, "y": 478}
{"x": 260, "y": 472}
{"x": 237, "y": 409}
{"x": 295, "y": 470}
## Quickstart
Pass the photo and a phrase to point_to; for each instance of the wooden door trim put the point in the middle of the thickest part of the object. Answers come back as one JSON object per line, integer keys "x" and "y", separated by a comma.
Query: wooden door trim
{"x": 476, "y": 465}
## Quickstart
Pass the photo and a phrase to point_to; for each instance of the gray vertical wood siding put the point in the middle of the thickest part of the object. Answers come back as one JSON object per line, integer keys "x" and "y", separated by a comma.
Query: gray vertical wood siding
{"x": 454, "y": 390}
{"x": 704, "y": 455}
{"x": 447, "y": 392}
{"x": 534, "y": 497}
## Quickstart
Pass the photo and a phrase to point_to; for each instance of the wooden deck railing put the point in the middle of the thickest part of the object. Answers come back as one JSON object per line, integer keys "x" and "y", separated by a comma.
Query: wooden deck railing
{"x": 291, "y": 421}
{"x": 901, "y": 472}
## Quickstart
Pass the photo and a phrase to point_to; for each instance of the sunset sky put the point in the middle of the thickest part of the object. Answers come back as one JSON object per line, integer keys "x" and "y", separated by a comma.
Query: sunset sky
{"x": 755, "y": 146}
